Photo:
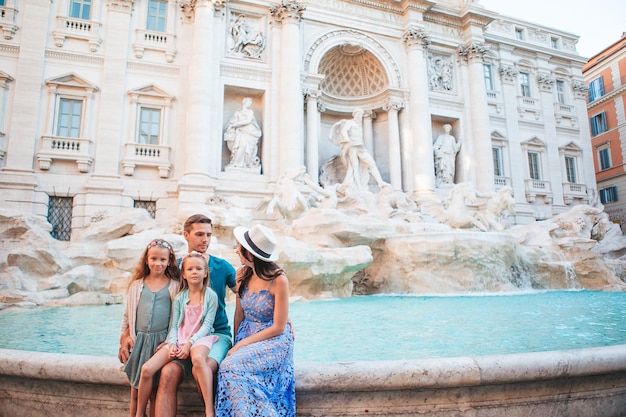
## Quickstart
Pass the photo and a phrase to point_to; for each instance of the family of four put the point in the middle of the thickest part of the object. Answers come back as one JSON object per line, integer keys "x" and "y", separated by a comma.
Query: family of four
{"x": 175, "y": 325}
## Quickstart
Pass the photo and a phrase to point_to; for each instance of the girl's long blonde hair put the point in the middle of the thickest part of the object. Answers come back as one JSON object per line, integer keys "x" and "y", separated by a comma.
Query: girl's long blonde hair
{"x": 142, "y": 270}
{"x": 207, "y": 278}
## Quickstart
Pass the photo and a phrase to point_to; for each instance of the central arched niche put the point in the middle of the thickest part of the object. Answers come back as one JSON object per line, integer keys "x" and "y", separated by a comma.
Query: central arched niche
{"x": 354, "y": 77}
{"x": 352, "y": 72}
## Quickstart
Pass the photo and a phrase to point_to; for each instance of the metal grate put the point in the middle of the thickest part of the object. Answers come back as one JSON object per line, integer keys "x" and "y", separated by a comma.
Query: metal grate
{"x": 60, "y": 217}
{"x": 148, "y": 205}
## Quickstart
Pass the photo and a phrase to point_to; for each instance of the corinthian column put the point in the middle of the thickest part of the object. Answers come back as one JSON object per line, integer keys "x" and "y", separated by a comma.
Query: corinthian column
{"x": 312, "y": 136}
{"x": 199, "y": 104}
{"x": 395, "y": 165}
{"x": 472, "y": 54}
{"x": 291, "y": 128}
{"x": 419, "y": 143}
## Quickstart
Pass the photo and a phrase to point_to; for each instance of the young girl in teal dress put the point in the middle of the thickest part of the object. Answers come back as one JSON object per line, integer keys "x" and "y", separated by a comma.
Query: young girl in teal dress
{"x": 147, "y": 313}
{"x": 189, "y": 338}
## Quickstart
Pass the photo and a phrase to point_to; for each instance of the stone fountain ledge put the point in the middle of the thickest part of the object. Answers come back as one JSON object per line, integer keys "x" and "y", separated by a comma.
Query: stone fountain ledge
{"x": 585, "y": 382}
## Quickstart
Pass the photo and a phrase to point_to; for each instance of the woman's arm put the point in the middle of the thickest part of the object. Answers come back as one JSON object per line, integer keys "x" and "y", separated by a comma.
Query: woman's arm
{"x": 281, "y": 314}
{"x": 239, "y": 315}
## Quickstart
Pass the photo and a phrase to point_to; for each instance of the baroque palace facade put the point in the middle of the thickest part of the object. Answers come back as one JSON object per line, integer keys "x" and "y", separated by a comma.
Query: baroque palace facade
{"x": 108, "y": 104}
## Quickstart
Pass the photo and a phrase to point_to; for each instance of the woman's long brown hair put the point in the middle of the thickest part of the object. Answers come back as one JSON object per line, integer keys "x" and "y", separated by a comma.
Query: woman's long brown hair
{"x": 265, "y": 270}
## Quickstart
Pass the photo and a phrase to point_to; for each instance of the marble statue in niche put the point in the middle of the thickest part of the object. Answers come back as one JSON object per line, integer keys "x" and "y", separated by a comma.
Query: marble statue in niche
{"x": 242, "y": 136}
{"x": 445, "y": 149}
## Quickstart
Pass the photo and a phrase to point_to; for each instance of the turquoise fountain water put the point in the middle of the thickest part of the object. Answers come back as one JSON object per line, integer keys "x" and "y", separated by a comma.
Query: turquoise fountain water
{"x": 372, "y": 327}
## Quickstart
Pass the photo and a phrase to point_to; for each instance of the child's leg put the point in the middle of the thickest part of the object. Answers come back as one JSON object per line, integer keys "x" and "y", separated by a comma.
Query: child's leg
{"x": 133, "y": 401}
{"x": 204, "y": 376}
{"x": 146, "y": 380}
{"x": 152, "y": 410}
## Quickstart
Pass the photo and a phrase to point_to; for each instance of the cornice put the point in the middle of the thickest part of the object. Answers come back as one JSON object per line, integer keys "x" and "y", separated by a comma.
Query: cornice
{"x": 74, "y": 57}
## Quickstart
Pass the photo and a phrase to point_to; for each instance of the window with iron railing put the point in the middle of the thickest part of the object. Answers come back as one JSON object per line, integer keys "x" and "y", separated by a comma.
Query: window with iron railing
{"x": 150, "y": 206}
{"x": 60, "y": 217}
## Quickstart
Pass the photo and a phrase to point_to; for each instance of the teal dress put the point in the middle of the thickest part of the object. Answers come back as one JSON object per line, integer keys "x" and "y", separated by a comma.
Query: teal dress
{"x": 152, "y": 322}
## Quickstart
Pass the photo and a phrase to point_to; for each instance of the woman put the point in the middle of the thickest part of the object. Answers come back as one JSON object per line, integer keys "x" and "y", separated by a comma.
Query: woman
{"x": 257, "y": 378}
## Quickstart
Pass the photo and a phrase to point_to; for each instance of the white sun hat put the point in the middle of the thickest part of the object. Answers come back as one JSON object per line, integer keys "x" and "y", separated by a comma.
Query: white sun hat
{"x": 259, "y": 240}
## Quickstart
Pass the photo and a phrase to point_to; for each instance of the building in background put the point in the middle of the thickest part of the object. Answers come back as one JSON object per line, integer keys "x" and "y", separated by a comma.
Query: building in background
{"x": 605, "y": 75}
{"x": 108, "y": 104}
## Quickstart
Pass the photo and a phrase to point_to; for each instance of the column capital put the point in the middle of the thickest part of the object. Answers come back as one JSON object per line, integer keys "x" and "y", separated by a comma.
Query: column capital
{"x": 393, "y": 105}
{"x": 545, "y": 81}
{"x": 416, "y": 36}
{"x": 473, "y": 51}
{"x": 287, "y": 10}
{"x": 371, "y": 114}
{"x": 311, "y": 94}
{"x": 125, "y": 6}
{"x": 508, "y": 73}
{"x": 580, "y": 89}
{"x": 188, "y": 7}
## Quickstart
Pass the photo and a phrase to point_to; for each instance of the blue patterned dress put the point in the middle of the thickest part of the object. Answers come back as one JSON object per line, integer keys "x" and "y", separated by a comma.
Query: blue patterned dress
{"x": 258, "y": 379}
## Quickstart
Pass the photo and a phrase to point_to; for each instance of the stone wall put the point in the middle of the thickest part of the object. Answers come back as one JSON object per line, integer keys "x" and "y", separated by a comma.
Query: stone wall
{"x": 576, "y": 383}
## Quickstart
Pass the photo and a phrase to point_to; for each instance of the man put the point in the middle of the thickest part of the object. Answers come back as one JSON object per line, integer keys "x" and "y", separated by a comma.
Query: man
{"x": 197, "y": 231}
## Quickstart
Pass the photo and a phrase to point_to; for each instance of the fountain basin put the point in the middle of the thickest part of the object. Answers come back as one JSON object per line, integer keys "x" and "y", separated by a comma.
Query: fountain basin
{"x": 583, "y": 382}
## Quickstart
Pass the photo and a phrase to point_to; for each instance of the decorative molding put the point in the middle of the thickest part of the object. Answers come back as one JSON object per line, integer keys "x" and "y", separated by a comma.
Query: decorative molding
{"x": 287, "y": 10}
{"x": 153, "y": 68}
{"x": 10, "y": 49}
{"x": 366, "y": 41}
{"x": 74, "y": 57}
{"x": 236, "y": 71}
{"x": 124, "y": 6}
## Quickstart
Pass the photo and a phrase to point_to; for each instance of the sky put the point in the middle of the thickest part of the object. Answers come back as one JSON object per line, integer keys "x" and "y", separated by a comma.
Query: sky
{"x": 571, "y": 16}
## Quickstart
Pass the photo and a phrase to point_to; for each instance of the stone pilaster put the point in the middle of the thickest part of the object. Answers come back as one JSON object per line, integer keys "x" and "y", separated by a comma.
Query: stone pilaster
{"x": 420, "y": 142}
{"x": 288, "y": 14}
